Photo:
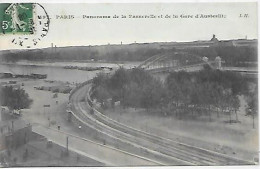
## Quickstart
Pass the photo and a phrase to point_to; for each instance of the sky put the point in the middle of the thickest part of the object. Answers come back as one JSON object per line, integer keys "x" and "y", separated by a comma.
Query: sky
{"x": 84, "y": 32}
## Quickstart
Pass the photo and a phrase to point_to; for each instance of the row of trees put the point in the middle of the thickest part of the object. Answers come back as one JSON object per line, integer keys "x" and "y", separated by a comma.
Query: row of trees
{"x": 182, "y": 93}
{"x": 206, "y": 91}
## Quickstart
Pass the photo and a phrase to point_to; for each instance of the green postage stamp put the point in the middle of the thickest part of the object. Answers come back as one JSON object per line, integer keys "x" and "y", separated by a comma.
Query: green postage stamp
{"x": 24, "y": 23}
{"x": 16, "y": 18}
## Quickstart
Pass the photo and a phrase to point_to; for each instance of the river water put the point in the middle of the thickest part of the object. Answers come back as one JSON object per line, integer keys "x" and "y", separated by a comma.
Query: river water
{"x": 55, "y": 70}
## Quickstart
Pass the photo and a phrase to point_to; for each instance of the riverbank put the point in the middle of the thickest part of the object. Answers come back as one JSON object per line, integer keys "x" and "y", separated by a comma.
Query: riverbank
{"x": 78, "y": 63}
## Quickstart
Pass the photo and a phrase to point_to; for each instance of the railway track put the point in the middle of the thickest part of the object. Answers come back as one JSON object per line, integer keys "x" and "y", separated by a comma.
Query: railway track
{"x": 165, "y": 151}
{"x": 123, "y": 139}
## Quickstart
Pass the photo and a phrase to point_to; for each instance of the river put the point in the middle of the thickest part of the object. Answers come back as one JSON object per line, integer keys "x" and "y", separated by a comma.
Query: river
{"x": 55, "y": 70}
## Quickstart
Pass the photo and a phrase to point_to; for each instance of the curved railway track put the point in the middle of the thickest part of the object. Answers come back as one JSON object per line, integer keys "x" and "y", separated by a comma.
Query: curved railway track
{"x": 162, "y": 150}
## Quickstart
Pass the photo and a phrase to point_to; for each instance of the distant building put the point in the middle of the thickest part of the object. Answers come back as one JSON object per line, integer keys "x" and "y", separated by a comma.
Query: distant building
{"x": 214, "y": 39}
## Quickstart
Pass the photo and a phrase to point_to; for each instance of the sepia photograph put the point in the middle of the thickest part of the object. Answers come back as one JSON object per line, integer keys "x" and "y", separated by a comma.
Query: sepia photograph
{"x": 128, "y": 84}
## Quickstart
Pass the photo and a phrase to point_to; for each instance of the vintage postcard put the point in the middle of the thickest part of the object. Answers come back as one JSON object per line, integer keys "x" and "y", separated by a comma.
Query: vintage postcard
{"x": 129, "y": 84}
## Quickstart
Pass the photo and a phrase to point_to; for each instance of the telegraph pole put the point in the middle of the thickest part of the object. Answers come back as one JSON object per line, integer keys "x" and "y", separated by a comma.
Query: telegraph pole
{"x": 67, "y": 145}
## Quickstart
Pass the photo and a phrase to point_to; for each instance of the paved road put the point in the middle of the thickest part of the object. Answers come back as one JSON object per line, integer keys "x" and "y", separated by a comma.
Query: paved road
{"x": 158, "y": 149}
{"x": 104, "y": 154}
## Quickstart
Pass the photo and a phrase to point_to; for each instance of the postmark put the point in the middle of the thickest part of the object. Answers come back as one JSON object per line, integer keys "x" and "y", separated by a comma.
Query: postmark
{"x": 26, "y": 24}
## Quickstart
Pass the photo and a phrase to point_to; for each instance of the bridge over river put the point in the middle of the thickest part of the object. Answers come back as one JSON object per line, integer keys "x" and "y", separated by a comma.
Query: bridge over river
{"x": 183, "y": 61}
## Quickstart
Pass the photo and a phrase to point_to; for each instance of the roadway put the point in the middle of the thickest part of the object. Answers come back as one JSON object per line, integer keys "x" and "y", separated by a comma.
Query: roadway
{"x": 109, "y": 156}
{"x": 160, "y": 150}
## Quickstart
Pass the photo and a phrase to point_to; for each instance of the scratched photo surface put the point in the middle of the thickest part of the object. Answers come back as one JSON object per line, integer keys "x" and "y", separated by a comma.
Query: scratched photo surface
{"x": 128, "y": 84}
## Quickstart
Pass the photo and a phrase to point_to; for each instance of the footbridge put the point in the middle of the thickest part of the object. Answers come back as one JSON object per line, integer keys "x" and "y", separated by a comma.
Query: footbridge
{"x": 183, "y": 61}
{"x": 175, "y": 61}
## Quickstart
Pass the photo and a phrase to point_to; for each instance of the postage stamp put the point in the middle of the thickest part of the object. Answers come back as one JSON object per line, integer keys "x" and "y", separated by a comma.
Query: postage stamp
{"x": 17, "y": 18}
{"x": 25, "y": 24}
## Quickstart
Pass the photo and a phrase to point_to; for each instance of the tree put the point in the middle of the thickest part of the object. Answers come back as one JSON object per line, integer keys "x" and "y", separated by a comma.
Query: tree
{"x": 117, "y": 83}
{"x": 235, "y": 104}
{"x": 152, "y": 95}
{"x": 15, "y": 99}
{"x": 218, "y": 96}
{"x": 174, "y": 91}
{"x": 133, "y": 95}
{"x": 119, "y": 79}
{"x": 252, "y": 109}
{"x": 101, "y": 94}
{"x": 196, "y": 98}
{"x": 227, "y": 103}
{"x": 100, "y": 79}
{"x": 207, "y": 96}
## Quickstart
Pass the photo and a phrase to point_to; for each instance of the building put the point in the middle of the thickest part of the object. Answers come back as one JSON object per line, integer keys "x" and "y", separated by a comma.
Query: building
{"x": 214, "y": 39}
{"x": 14, "y": 133}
